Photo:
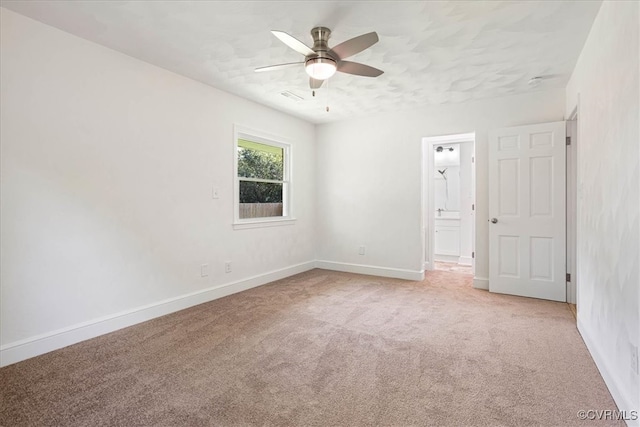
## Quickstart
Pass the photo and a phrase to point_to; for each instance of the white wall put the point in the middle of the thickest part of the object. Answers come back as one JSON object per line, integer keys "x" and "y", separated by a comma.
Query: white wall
{"x": 108, "y": 165}
{"x": 605, "y": 85}
{"x": 369, "y": 175}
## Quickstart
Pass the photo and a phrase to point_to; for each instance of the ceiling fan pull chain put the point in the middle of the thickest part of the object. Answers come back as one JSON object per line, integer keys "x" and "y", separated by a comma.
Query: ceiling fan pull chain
{"x": 327, "y": 95}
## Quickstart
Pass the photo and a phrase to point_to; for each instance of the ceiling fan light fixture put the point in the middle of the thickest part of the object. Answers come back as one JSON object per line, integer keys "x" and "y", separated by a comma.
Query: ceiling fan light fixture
{"x": 320, "y": 68}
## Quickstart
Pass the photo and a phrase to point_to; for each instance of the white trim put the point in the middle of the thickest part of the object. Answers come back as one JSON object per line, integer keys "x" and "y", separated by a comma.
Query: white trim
{"x": 268, "y": 181}
{"x": 397, "y": 273}
{"x": 460, "y": 137}
{"x": 263, "y": 222}
{"x": 243, "y": 132}
{"x": 426, "y": 263}
{"x": 481, "y": 283}
{"x": 573, "y": 209}
{"x": 44, "y": 343}
{"x": 466, "y": 260}
{"x": 571, "y": 200}
{"x": 623, "y": 402}
{"x": 452, "y": 259}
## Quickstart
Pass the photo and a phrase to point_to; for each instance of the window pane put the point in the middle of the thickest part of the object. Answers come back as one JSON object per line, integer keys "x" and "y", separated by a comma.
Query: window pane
{"x": 260, "y": 199}
{"x": 260, "y": 161}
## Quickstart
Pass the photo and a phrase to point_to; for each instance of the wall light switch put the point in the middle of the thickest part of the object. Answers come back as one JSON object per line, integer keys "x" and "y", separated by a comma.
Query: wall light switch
{"x": 215, "y": 193}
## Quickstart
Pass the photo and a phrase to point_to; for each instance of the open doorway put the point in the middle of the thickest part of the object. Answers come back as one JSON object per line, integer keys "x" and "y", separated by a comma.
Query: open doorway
{"x": 449, "y": 209}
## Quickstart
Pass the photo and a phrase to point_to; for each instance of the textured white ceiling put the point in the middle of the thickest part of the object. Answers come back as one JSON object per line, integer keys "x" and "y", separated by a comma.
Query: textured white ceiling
{"x": 431, "y": 52}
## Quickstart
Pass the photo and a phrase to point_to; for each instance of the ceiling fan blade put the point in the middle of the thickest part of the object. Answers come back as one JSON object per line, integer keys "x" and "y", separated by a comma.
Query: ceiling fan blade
{"x": 354, "y": 45}
{"x": 277, "y": 67}
{"x": 293, "y": 43}
{"x": 358, "y": 69}
{"x": 315, "y": 84}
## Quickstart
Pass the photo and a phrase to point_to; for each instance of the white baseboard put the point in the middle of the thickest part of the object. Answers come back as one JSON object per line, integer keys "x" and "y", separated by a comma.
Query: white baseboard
{"x": 35, "y": 346}
{"x": 623, "y": 401}
{"x": 465, "y": 260}
{"x": 396, "y": 273}
{"x": 447, "y": 258}
{"x": 481, "y": 283}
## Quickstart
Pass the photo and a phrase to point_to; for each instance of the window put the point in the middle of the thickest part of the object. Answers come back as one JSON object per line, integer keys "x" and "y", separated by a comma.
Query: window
{"x": 262, "y": 180}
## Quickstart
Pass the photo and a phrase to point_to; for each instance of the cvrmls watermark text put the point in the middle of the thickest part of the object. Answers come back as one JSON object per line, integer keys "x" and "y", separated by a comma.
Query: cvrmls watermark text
{"x": 607, "y": 414}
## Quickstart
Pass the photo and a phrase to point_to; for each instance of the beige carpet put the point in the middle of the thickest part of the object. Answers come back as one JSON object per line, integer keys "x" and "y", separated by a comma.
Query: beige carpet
{"x": 323, "y": 348}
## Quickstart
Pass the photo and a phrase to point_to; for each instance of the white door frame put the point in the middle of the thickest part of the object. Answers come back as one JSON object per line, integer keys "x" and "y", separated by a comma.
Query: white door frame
{"x": 572, "y": 208}
{"x": 428, "y": 197}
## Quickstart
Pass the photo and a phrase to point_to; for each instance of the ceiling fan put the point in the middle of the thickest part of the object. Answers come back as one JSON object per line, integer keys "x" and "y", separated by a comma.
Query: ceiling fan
{"x": 321, "y": 62}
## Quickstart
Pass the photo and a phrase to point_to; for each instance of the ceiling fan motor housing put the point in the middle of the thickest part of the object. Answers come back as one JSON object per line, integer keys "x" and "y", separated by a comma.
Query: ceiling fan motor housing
{"x": 321, "y": 44}
{"x": 321, "y": 41}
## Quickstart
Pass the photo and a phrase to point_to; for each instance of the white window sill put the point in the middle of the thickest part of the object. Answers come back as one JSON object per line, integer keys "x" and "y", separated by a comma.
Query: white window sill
{"x": 263, "y": 222}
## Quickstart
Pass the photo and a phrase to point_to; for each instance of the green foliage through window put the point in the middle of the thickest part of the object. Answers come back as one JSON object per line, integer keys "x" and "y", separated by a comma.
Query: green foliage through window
{"x": 261, "y": 179}
{"x": 260, "y": 161}
{"x": 260, "y": 192}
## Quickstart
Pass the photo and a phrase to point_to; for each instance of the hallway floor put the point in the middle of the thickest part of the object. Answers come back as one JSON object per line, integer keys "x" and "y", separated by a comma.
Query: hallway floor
{"x": 451, "y": 266}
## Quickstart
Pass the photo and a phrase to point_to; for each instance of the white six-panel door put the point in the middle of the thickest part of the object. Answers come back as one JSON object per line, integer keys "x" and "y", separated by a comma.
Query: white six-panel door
{"x": 527, "y": 211}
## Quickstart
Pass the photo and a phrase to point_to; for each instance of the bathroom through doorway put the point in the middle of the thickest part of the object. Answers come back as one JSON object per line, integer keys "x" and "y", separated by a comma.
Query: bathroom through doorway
{"x": 450, "y": 208}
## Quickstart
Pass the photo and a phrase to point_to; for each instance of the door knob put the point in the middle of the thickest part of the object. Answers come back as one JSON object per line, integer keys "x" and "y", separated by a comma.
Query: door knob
{"x": 494, "y": 220}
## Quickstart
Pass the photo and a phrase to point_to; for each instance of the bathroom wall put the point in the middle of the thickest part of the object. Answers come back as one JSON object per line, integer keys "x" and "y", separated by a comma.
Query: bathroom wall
{"x": 446, "y": 177}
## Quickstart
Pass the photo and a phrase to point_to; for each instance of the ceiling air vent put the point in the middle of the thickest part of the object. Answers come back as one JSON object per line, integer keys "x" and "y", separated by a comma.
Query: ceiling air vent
{"x": 292, "y": 96}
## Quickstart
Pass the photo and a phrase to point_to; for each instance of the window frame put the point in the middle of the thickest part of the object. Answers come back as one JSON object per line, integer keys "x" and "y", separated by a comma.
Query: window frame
{"x": 287, "y": 218}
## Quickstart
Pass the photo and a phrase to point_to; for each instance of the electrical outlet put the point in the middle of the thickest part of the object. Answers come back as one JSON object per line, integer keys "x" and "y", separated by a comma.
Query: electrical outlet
{"x": 362, "y": 250}
{"x": 204, "y": 270}
{"x": 227, "y": 267}
{"x": 634, "y": 358}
